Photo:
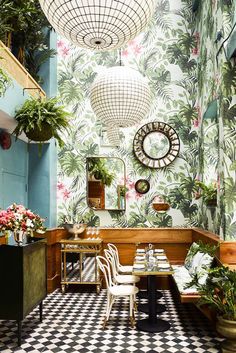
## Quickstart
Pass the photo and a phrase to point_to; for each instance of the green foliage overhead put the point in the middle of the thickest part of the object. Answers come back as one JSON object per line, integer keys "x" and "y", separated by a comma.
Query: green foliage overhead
{"x": 22, "y": 28}
{"x": 35, "y": 113}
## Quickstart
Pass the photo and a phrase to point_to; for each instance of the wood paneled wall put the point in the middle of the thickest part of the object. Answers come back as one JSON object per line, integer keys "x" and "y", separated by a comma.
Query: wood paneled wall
{"x": 18, "y": 72}
{"x": 175, "y": 241}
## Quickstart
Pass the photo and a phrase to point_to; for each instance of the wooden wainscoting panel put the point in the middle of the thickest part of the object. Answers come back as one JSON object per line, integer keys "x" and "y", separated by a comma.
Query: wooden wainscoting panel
{"x": 228, "y": 252}
{"x": 53, "y": 237}
{"x": 146, "y": 235}
{"x": 205, "y": 236}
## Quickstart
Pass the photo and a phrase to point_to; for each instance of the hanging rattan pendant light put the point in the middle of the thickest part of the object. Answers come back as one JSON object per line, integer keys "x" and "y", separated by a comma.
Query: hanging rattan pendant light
{"x": 120, "y": 97}
{"x": 98, "y": 24}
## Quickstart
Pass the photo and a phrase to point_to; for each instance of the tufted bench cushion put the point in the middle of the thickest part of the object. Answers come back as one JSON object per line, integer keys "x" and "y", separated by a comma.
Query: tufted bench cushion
{"x": 196, "y": 266}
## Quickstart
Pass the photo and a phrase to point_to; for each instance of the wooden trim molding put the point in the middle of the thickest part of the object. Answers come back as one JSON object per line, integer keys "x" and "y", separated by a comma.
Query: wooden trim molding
{"x": 175, "y": 242}
{"x": 10, "y": 63}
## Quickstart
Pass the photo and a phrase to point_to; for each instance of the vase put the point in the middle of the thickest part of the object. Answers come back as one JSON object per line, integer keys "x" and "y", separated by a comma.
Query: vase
{"x": 227, "y": 328}
{"x": 18, "y": 236}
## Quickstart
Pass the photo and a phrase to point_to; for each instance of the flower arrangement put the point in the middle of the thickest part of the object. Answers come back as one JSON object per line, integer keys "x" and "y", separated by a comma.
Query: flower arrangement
{"x": 18, "y": 218}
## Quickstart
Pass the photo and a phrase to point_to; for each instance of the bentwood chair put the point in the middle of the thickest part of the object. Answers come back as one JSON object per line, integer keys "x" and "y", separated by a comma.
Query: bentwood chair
{"x": 118, "y": 278}
{"x": 115, "y": 291}
{"x": 121, "y": 268}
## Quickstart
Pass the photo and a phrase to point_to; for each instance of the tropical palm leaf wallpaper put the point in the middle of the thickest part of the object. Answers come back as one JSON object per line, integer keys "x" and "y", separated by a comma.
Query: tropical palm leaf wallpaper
{"x": 183, "y": 80}
{"x": 216, "y": 87}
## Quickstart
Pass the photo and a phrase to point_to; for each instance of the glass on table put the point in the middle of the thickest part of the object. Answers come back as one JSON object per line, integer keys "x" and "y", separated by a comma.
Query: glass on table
{"x": 151, "y": 263}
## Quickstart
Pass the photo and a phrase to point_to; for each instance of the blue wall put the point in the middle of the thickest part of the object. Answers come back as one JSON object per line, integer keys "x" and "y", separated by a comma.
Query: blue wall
{"x": 14, "y": 174}
{"x": 25, "y": 177}
{"x": 42, "y": 181}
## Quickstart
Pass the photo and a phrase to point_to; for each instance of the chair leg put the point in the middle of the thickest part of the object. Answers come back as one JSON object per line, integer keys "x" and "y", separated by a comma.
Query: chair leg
{"x": 131, "y": 311}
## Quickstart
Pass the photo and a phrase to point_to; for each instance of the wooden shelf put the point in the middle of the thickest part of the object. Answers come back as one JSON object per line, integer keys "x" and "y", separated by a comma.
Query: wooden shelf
{"x": 18, "y": 72}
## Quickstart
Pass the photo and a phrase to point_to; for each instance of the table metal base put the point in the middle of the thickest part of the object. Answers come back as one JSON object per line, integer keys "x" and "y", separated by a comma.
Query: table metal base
{"x": 143, "y": 294}
{"x": 144, "y": 308}
{"x": 148, "y": 326}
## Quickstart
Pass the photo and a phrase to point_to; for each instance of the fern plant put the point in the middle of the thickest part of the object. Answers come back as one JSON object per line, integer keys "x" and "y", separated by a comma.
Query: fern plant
{"x": 41, "y": 119}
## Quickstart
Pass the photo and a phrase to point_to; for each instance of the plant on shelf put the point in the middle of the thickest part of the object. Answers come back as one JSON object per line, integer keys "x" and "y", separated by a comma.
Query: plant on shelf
{"x": 207, "y": 192}
{"x": 22, "y": 29}
{"x": 41, "y": 119}
{"x": 98, "y": 169}
{"x": 219, "y": 292}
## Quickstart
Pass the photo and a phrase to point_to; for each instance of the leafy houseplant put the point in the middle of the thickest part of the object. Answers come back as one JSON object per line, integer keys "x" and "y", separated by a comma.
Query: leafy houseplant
{"x": 207, "y": 192}
{"x": 22, "y": 28}
{"x": 5, "y": 81}
{"x": 219, "y": 292}
{"x": 98, "y": 169}
{"x": 41, "y": 119}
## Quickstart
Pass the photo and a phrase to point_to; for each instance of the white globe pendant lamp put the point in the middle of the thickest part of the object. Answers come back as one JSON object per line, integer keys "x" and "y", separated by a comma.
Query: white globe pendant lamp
{"x": 98, "y": 24}
{"x": 120, "y": 97}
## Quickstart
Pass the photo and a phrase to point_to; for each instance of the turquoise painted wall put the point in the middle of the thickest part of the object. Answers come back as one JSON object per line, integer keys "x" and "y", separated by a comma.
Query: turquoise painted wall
{"x": 14, "y": 174}
{"x": 24, "y": 176}
{"x": 42, "y": 181}
{"x": 43, "y": 169}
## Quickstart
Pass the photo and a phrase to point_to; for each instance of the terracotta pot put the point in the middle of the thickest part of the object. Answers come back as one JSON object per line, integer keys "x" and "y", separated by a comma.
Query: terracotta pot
{"x": 40, "y": 135}
{"x": 161, "y": 207}
{"x": 227, "y": 328}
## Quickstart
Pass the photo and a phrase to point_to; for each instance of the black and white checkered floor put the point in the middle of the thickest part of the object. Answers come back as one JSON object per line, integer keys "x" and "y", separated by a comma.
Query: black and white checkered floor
{"x": 73, "y": 323}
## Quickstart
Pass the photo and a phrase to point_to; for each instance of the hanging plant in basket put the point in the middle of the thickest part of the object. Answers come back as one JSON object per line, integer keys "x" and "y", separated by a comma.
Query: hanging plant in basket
{"x": 41, "y": 120}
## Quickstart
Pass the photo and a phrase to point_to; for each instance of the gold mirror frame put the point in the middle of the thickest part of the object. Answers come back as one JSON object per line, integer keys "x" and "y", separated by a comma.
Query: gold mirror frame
{"x": 165, "y": 129}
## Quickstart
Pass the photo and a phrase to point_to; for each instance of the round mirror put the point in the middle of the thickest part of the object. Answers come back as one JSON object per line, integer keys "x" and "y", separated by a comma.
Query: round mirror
{"x": 156, "y": 145}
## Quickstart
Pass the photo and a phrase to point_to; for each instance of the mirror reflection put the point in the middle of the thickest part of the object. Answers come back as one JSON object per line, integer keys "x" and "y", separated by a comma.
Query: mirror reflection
{"x": 106, "y": 183}
{"x": 156, "y": 145}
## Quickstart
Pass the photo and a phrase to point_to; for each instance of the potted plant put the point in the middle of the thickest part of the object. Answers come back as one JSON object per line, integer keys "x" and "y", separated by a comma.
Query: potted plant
{"x": 219, "y": 292}
{"x": 41, "y": 119}
{"x": 98, "y": 169}
{"x": 207, "y": 192}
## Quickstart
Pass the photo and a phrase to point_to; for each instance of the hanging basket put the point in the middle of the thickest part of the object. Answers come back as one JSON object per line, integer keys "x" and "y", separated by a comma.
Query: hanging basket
{"x": 40, "y": 135}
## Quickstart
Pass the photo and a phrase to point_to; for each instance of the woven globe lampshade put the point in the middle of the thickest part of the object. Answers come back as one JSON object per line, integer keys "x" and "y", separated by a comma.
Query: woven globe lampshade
{"x": 120, "y": 97}
{"x": 98, "y": 24}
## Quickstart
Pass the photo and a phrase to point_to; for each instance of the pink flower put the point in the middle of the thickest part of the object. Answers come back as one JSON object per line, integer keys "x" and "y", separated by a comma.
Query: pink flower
{"x": 60, "y": 186}
{"x": 66, "y": 194}
{"x": 125, "y": 53}
{"x": 137, "y": 49}
{"x": 65, "y": 51}
{"x": 60, "y": 43}
{"x": 195, "y": 122}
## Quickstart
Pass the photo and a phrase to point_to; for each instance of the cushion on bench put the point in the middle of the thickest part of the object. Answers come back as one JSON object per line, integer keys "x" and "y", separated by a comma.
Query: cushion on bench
{"x": 182, "y": 278}
{"x": 196, "y": 267}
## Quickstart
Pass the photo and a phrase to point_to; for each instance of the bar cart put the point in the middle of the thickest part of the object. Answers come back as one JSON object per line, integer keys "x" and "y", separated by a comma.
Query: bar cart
{"x": 85, "y": 270}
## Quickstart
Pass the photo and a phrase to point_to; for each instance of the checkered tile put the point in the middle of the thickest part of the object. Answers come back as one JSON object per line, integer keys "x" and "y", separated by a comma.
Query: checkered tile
{"x": 73, "y": 323}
